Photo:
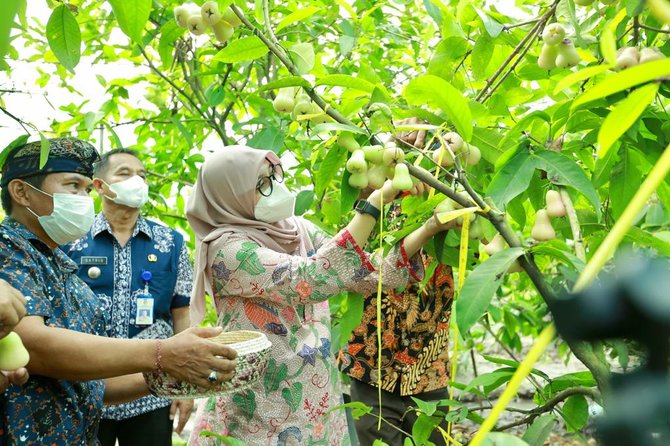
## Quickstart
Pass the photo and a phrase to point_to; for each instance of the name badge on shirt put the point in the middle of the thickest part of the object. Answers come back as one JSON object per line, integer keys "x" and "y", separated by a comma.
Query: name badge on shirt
{"x": 145, "y": 310}
{"x": 93, "y": 260}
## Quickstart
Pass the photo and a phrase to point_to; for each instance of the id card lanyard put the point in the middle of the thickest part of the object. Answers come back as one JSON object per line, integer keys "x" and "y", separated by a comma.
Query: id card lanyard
{"x": 145, "y": 303}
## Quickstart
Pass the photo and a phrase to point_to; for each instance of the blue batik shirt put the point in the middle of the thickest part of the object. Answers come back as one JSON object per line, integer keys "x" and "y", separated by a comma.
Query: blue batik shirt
{"x": 114, "y": 273}
{"x": 47, "y": 411}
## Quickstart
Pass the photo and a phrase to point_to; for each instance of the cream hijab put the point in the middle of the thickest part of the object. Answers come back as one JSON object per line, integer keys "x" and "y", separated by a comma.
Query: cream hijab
{"x": 222, "y": 206}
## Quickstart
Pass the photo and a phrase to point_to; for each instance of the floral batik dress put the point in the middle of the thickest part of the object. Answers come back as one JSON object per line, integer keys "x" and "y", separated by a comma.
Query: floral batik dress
{"x": 286, "y": 297}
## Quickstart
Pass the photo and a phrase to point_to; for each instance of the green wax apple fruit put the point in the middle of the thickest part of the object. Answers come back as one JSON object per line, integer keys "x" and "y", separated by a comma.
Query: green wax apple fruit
{"x": 13, "y": 355}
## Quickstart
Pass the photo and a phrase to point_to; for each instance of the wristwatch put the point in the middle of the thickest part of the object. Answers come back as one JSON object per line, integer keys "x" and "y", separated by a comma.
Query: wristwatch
{"x": 365, "y": 207}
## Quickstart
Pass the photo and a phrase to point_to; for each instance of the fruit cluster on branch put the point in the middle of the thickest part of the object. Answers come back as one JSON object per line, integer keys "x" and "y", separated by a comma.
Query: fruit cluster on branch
{"x": 197, "y": 20}
{"x": 298, "y": 103}
{"x": 557, "y": 50}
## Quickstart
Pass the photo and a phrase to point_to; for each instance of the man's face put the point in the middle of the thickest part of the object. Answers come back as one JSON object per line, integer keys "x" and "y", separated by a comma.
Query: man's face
{"x": 63, "y": 183}
{"x": 121, "y": 167}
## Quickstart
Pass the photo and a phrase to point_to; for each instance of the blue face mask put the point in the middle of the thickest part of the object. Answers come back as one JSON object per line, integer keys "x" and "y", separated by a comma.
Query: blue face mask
{"x": 278, "y": 206}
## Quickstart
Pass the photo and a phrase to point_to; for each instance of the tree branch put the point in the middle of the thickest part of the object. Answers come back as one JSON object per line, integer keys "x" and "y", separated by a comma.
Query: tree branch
{"x": 268, "y": 28}
{"x": 279, "y": 52}
{"x": 526, "y": 41}
{"x": 496, "y": 218}
{"x": 173, "y": 85}
{"x": 549, "y": 405}
{"x": 574, "y": 224}
{"x": 21, "y": 122}
{"x": 516, "y": 25}
{"x": 656, "y": 30}
{"x": 168, "y": 179}
{"x": 636, "y": 29}
{"x": 190, "y": 100}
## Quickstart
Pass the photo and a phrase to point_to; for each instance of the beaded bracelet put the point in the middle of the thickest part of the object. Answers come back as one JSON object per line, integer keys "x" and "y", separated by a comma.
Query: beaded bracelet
{"x": 159, "y": 356}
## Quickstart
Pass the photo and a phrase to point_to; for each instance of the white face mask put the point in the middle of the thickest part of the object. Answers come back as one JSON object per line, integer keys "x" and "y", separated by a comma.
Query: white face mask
{"x": 132, "y": 192}
{"x": 71, "y": 218}
{"x": 278, "y": 206}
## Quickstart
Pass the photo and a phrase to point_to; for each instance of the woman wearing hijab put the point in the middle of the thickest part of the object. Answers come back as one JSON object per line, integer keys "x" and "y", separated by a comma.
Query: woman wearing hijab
{"x": 272, "y": 272}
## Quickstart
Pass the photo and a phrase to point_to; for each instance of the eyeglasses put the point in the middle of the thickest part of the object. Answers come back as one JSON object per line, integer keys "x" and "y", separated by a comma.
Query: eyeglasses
{"x": 264, "y": 185}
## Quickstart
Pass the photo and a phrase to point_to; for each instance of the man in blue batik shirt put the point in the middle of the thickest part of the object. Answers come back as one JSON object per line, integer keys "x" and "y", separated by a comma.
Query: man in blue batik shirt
{"x": 141, "y": 273}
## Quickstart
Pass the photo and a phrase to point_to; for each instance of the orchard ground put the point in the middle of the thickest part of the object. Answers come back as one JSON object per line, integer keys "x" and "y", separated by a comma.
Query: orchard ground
{"x": 550, "y": 363}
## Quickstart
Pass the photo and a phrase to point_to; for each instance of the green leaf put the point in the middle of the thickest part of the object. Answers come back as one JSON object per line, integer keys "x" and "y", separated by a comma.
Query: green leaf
{"x": 44, "y": 149}
{"x": 303, "y": 201}
{"x": 630, "y": 77}
{"x": 242, "y": 50}
{"x": 513, "y": 179}
{"x": 293, "y": 395}
{"x": 8, "y": 10}
{"x": 302, "y": 55}
{"x": 491, "y": 380}
{"x": 552, "y": 250}
{"x": 608, "y": 39}
{"x": 539, "y": 431}
{"x": 575, "y": 412}
{"x": 329, "y": 168}
{"x": 427, "y": 407}
{"x": 623, "y": 115}
{"x": 352, "y": 312}
{"x": 270, "y": 138}
{"x": 608, "y": 44}
{"x": 515, "y": 364}
{"x": 297, "y": 16}
{"x": 215, "y": 94}
{"x": 522, "y": 125}
{"x": 634, "y": 7}
{"x": 348, "y": 194}
{"x": 289, "y": 81}
{"x": 487, "y": 140}
{"x": 115, "y": 137}
{"x": 625, "y": 180}
{"x": 579, "y": 76}
{"x": 337, "y": 127}
{"x": 563, "y": 382}
{"x": 563, "y": 171}
{"x": 183, "y": 130}
{"x": 358, "y": 409}
{"x": 481, "y": 285}
{"x": 492, "y": 26}
{"x": 436, "y": 92}
{"x": 230, "y": 441}
{"x": 502, "y": 439}
{"x": 344, "y": 80}
{"x": 481, "y": 56}
{"x": 643, "y": 238}
{"x": 21, "y": 140}
{"x": 132, "y": 16}
{"x": 64, "y": 37}
{"x": 91, "y": 119}
{"x": 170, "y": 32}
{"x": 423, "y": 427}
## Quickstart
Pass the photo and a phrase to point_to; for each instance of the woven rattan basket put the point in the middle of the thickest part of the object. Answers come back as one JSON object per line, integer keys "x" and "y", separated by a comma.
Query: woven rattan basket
{"x": 252, "y": 350}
